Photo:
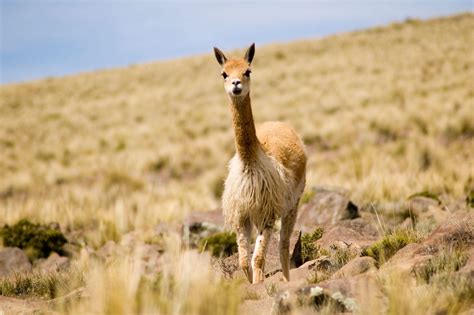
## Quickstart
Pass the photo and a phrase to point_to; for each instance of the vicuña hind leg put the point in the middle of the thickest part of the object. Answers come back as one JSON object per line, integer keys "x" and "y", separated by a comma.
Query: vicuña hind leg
{"x": 287, "y": 224}
{"x": 258, "y": 258}
{"x": 244, "y": 233}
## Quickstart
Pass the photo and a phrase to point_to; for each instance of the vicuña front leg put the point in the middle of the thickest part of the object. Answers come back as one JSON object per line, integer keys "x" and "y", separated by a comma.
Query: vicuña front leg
{"x": 244, "y": 233}
{"x": 287, "y": 224}
{"x": 258, "y": 258}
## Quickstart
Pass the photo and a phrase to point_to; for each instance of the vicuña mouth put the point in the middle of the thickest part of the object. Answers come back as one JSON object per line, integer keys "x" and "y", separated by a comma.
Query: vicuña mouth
{"x": 236, "y": 91}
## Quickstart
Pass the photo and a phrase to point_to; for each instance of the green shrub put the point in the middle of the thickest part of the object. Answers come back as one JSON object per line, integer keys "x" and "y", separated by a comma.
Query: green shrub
{"x": 382, "y": 250}
{"x": 220, "y": 244}
{"x": 37, "y": 240}
{"x": 309, "y": 250}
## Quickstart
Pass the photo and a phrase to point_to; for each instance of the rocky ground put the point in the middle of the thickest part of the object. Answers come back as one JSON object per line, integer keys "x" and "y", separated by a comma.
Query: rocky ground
{"x": 342, "y": 257}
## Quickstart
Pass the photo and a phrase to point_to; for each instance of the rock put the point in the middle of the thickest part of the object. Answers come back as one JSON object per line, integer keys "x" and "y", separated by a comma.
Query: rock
{"x": 427, "y": 209}
{"x": 229, "y": 266}
{"x": 346, "y": 294}
{"x": 151, "y": 259}
{"x": 456, "y": 231}
{"x": 256, "y": 307}
{"x": 54, "y": 263}
{"x": 198, "y": 225}
{"x": 108, "y": 251}
{"x": 13, "y": 260}
{"x": 354, "y": 234}
{"x": 356, "y": 266}
{"x": 325, "y": 209}
{"x": 468, "y": 268}
{"x": 9, "y": 305}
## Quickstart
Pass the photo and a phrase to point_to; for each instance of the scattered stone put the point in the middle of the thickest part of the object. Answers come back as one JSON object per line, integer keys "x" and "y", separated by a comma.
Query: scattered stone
{"x": 326, "y": 208}
{"x": 54, "y": 263}
{"x": 345, "y": 295}
{"x": 198, "y": 225}
{"x": 356, "y": 266}
{"x": 13, "y": 260}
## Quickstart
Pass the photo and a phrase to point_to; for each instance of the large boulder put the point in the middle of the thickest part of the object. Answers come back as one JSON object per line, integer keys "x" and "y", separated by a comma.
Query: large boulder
{"x": 325, "y": 208}
{"x": 456, "y": 231}
{"x": 356, "y": 266}
{"x": 13, "y": 260}
{"x": 54, "y": 263}
{"x": 425, "y": 209}
{"x": 354, "y": 235}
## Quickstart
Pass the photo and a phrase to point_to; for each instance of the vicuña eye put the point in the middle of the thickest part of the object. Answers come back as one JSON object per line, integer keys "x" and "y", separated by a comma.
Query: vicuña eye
{"x": 224, "y": 75}
{"x": 247, "y": 73}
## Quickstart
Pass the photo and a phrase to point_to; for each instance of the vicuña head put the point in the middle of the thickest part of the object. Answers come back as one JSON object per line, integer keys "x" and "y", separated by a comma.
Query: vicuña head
{"x": 266, "y": 175}
{"x": 236, "y": 72}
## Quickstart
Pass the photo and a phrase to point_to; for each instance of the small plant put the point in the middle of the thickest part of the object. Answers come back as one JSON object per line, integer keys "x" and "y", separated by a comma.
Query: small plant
{"x": 37, "y": 240}
{"x": 382, "y": 250}
{"x": 340, "y": 257}
{"x": 446, "y": 262}
{"x": 309, "y": 250}
{"x": 220, "y": 244}
{"x": 47, "y": 286}
{"x": 307, "y": 196}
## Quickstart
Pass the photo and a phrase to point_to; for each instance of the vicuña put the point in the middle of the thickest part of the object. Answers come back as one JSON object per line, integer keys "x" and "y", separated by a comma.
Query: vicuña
{"x": 266, "y": 176}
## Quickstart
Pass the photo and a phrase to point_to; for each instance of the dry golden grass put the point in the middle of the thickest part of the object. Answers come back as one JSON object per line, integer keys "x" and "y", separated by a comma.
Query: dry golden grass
{"x": 385, "y": 112}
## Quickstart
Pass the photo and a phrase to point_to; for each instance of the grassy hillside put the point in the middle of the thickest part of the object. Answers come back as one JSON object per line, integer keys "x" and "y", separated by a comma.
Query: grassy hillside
{"x": 385, "y": 113}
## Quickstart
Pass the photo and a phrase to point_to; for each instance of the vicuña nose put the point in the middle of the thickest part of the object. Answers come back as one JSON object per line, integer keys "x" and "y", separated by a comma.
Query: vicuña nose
{"x": 236, "y": 82}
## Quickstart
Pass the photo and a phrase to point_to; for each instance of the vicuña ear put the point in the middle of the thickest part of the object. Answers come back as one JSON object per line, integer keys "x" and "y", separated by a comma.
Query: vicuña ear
{"x": 221, "y": 58}
{"x": 249, "y": 54}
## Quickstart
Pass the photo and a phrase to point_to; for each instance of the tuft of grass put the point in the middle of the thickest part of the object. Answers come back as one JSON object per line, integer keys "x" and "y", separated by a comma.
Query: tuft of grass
{"x": 220, "y": 244}
{"x": 447, "y": 261}
{"x": 122, "y": 180}
{"x": 382, "y": 250}
{"x": 38, "y": 285}
{"x": 439, "y": 289}
{"x": 309, "y": 250}
{"x": 337, "y": 259}
{"x": 37, "y": 240}
{"x": 307, "y": 196}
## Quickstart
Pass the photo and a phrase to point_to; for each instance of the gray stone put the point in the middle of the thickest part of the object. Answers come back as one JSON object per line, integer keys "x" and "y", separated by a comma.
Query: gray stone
{"x": 54, "y": 263}
{"x": 354, "y": 234}
{"x": 13, "y": 260}
{"x": 356, "y": 266}
{"x": 346, "y": 294}
{"x": 198, "y": 225}
{"x": 326, "y": 208}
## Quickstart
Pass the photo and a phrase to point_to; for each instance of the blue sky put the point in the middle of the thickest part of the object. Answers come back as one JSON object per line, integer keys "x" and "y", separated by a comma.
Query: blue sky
{"x": 54, "y": 38}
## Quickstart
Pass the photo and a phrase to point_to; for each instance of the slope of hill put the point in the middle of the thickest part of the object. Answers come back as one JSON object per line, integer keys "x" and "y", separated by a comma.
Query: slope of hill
{"x": 385, "y": 113}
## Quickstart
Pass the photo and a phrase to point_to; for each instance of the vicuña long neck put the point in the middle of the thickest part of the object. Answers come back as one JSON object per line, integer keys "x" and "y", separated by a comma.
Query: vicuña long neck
{"x": 246, "y": 142}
